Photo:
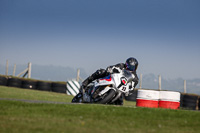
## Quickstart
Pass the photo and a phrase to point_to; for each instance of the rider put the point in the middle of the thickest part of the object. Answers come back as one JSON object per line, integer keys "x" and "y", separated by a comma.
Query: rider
{"x": 131, "y": 64}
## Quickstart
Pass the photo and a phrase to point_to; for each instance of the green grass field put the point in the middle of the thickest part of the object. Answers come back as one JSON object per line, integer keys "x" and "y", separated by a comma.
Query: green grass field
{"x": 18, "y": 116}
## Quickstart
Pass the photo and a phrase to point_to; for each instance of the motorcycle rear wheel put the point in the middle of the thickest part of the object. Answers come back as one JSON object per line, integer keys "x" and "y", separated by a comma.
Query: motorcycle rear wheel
{"x": 109, "y": 95}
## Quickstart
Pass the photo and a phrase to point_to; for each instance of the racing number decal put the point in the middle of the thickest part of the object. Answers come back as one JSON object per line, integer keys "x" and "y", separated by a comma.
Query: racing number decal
{"x": 124, "y": 88}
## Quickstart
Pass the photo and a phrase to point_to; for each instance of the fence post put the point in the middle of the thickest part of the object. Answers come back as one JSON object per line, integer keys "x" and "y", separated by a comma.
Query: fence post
{"x": 78, "y": 75}
{"x": 29, "y": 70}
{"x": 6, "y": 67}
{"x": 159, "y": 82}
{"x": 26, "y": 71}
{"x": 14, "y": 69}
{"x": 140, "y": 81}
{"x": 185, "y": 87}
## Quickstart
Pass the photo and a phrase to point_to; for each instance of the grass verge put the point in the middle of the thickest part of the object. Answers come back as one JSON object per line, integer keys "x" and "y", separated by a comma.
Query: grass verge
{"x": 19, "y": 93}
{"x": 24, "y": 117}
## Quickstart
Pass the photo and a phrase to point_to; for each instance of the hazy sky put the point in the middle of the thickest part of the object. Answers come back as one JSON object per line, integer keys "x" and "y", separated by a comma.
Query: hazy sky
{"x": 164, "y": 35}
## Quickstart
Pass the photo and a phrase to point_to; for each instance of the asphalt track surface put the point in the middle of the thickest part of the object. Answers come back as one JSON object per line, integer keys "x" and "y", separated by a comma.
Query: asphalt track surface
{"x": 51, "y": 102}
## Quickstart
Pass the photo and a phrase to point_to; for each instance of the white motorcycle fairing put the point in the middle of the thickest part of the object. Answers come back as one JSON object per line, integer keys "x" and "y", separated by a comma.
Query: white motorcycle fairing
{"x": 118, "y": 81}
{"x": 108, "y": 89}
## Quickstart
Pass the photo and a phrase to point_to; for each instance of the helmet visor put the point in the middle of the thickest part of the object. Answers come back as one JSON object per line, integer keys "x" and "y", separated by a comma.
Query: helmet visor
{"x": 130, "y": 67}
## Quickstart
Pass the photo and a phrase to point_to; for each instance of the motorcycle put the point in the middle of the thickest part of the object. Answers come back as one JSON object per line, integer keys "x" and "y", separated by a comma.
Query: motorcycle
{"x": 106, "y": 90}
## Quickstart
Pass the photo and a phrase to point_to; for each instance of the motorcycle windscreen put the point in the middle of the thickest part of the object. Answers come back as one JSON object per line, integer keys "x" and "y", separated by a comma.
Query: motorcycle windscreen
{"x": 128, "y": 75}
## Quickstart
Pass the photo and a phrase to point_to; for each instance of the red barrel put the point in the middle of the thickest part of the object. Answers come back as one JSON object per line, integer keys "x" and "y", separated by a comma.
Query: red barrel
{"x": 169, "y": 99}
{"x": 147, "y": 103}
{"x": 147, "y": 98}
{"x": 169, "y": 104}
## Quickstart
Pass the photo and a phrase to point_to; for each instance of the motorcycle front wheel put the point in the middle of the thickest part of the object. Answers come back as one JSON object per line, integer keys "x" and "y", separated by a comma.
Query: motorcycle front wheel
{"x": 77, "y": 98}
{"x": 108, "y": 97}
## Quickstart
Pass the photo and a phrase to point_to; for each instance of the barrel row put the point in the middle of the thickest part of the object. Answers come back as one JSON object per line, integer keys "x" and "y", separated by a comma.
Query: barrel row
{"x": 164, "y": 99}
{"x": 33, "y": 84}
{"x": 155, "y": 99}
{"x": 191, "y": 102}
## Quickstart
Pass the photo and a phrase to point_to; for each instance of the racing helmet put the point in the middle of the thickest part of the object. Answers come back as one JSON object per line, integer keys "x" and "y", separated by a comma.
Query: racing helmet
{"x": 131, "y": 64}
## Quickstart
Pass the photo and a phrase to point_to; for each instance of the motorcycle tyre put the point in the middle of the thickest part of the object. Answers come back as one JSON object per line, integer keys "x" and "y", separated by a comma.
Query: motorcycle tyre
{"x": 108, "y": 97}
{"x": 77, "y": 98}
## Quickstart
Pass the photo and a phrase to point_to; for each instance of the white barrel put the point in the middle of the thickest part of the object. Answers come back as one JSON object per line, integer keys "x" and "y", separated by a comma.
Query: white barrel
{"x": 169, "y": 99}
{"x": 147, "y": 98}
{"x": 148, "y": 94}
{"x": 72, "y": 87}
{"x": 170, "y": 96}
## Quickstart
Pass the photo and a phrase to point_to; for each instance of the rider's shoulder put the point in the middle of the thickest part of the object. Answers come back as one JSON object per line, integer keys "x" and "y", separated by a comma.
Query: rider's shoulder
{"x": 120, "y": 65}
{"x": 115, "y": 68}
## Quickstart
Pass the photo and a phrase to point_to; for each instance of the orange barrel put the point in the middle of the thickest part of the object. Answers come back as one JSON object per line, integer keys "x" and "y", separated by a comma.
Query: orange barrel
{"x": 147, "y": 98}
{"x": 169, "y": 99}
